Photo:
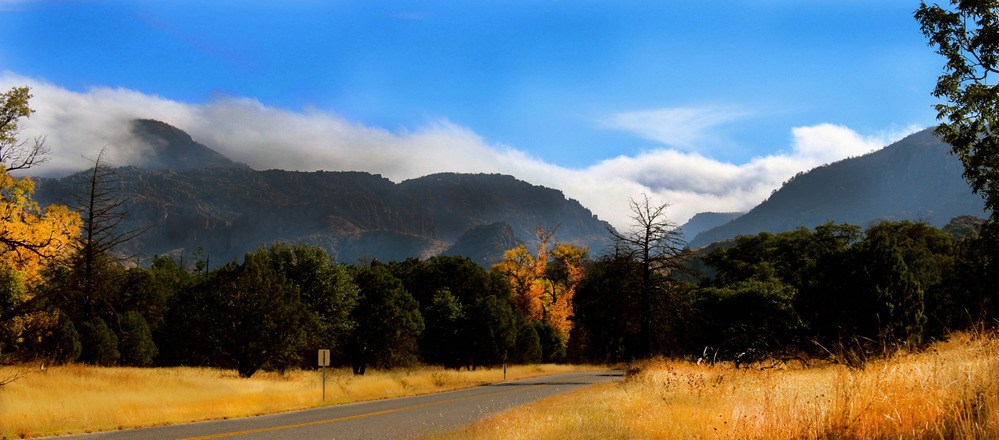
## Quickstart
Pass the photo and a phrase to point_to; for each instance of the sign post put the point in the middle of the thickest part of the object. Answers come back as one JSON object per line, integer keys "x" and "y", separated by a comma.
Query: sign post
{"x": 324, "y": 361}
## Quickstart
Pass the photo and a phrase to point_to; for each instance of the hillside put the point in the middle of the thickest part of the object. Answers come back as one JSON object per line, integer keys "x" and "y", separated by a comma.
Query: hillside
{"x": 704, "y": 221}
{"x": 915, "y": 179}
{"x": 230, "y": 209}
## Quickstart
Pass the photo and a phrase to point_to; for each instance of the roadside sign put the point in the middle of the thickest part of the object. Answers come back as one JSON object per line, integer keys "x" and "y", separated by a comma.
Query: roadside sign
{"x": 324, "y": 361}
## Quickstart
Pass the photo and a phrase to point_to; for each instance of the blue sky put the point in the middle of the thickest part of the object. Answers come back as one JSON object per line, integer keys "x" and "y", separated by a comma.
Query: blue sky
{"x": 647, "y": 90}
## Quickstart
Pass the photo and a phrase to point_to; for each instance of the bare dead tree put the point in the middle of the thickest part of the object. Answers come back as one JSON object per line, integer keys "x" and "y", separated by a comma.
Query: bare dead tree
{"x": 656, "y": 243}
{"x": 103, "y": 214}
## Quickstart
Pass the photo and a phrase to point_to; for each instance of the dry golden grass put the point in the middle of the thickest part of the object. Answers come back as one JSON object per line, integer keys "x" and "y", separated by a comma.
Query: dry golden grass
{"x": 77, "y": 398}
{"x": 949, "y": 391}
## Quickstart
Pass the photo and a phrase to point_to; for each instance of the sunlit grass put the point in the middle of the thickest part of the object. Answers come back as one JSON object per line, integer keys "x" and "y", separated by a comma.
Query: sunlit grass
{"x": 949, "y": 391}
{"x": 77, "y": 398}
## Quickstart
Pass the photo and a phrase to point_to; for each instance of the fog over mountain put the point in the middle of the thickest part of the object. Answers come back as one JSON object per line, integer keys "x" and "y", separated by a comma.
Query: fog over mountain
{"x": 78, "y": 124}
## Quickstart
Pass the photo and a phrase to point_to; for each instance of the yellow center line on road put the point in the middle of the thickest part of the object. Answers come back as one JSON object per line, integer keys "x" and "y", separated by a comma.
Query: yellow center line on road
{"x": 358, "y": 416}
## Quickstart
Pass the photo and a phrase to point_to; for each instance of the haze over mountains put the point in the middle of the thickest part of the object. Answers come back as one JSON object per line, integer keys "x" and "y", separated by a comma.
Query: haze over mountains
{"x": 192, "y": 198}
{"x": 915, "y": 178}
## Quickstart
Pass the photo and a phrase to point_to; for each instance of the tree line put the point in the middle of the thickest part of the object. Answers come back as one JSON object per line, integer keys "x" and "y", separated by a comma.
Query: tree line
{"x": 277, "y": 306}
{"x": 834, "y": 292}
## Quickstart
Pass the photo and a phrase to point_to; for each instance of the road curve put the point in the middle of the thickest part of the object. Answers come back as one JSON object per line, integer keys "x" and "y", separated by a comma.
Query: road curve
{"x": 405, "y": 417}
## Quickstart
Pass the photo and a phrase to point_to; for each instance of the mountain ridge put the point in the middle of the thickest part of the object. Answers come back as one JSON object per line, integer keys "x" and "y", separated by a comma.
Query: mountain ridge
{"x": 915, "y": 178}
{"x": 228, "y": 209}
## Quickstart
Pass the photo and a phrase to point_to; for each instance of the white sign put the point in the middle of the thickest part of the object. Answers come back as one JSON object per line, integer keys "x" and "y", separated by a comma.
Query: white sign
{"x": 324, "y": 358}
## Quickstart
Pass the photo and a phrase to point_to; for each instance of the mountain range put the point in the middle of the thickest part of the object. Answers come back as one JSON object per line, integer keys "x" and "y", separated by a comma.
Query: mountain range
{"x": 190, "y": 197}
{"x": 915, "y": 179}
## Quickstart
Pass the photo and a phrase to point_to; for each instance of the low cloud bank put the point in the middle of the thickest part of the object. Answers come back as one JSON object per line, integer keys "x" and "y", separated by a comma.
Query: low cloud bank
{"x": 78, "y": 125}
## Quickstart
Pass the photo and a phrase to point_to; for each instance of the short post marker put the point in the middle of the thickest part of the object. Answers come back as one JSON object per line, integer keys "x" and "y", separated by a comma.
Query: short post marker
{"x": 324, "y": 361}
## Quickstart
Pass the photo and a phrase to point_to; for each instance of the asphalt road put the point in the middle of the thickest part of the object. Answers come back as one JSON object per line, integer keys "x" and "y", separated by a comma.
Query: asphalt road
{"x": 406, "y": 417}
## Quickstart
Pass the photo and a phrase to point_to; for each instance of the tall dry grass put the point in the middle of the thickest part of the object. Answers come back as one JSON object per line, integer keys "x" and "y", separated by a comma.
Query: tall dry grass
{"x": 78, "y": 398}
{"x": 950, "y": 391}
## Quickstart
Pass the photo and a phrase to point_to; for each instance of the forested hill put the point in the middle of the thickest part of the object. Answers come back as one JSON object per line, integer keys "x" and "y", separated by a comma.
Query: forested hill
{"x": 228, "y": 211}
{"x": 915, "y": 179}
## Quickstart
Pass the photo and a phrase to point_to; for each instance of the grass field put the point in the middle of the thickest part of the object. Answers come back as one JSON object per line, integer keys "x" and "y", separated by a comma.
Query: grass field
{"x": 949, "y": 391}
{"x": 78, "y": 398}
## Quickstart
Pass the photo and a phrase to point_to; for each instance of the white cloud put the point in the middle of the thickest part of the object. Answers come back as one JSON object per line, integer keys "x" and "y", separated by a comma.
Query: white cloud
{"x": 245, "y": 130}
{"x": 825, "y": 143}
{"x": 686, "y": 128}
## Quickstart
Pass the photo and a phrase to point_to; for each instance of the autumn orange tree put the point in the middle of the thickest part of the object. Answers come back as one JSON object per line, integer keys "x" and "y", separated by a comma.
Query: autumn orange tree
{"x": 32, "y": 239}
{"x": 543, "y": 284}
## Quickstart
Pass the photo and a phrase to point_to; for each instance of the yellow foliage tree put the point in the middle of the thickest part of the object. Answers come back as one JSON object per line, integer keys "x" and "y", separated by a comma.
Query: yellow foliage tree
{"x": 521, "y": 269}
{"x": 32, "y": 239}
{"x": 562, "y": 278}
{"x": 543, "y": 285}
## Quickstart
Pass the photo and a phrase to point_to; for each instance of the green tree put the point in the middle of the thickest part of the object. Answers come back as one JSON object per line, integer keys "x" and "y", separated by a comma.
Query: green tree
{"x": 905, "y": 264}
{"x": 967, "y": 297}
{"x": 100, "y": 345}
{"x": 442, "y": 340}
{"x": 778, "y": 294}
{"x": 552, "y": 345}
{"x": 65, "y": 345}
{"x": 243, "y": 316}
{"x": 136, "y": 341}
{"x": 327, "y": 290}
{"x": 527, "y": 349}
{"x": 388, "y": 321}
{"x": 793, "y": 257}
{"x": 149, "y": 290}
{"x": 493, "y": 322}
{"x": 608, "y": 312}
{"x": 458, "y": 342}
{"x": 966, "y": 33}
{"x": 748, "y": 320}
